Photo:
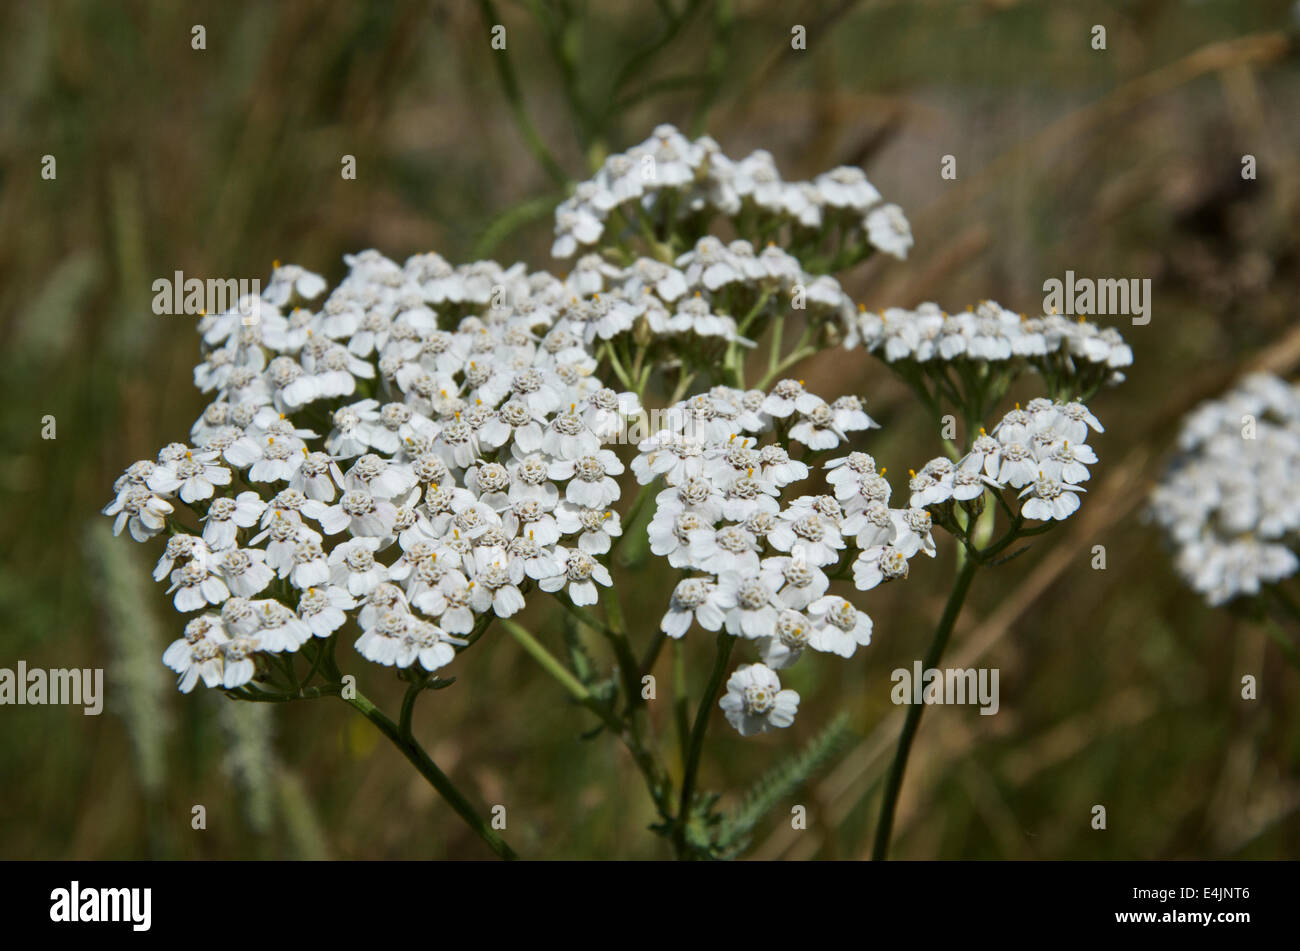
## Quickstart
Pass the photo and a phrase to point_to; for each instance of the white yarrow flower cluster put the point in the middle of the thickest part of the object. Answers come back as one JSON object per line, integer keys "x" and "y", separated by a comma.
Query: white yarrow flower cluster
{"x": 398, "y": 461}
{"x": 1041, "y": 451}
{"x": 698, "y": 300}
{"x": 1228, "y": 504}
{"x": 756, "y": 564}
{"x": 989, "y": 333}
{"x": 408, "y": 455}
{"x": 674, "y": 180}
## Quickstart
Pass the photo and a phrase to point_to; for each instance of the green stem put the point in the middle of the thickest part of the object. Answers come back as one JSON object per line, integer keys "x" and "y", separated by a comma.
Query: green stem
{"x": 784, "y": 365}
{"x": 636, "y": 63}
{"x": 651, "y": 655}
{"x": 513, "y": 218}
{"x": 774, "y": 353}
{"x": 586, "y": 617}
{"x": 617, "y": 367}
{"x": 1014, "y": 534}
{"x": 629, "y": 666}
{"x": 894, "y": 781}
{"x": 319, "y": 651}
{"x": 254, "y": 694}
{"x": 725, "y": 643}
{"x": 510, "y": 86}
{"x": 552, "y": 666}
{"x": 748, "y": 320}
{"x": 681, "y": 715}
{"x": 735, "y": 359}
{"x": 684, "y": 380}
{"x": 639, "y": 500}
{"x": 803, "y": 348}
{"x": 656, "y": 781}
{"x": 557, "y": 26}
{"x": 1279, "y": 637}
{"x": 419, "y": 678}
{"x": 435, "y": 777}
{"x": 639, "y": 375}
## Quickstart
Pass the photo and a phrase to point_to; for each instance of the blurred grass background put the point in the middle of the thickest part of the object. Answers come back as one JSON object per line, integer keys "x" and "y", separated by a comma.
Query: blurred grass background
{"x": 1118, "y": 688}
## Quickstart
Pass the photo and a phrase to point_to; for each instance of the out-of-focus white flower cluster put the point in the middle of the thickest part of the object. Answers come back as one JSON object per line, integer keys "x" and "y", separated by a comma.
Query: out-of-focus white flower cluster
{"x": 1228, "y": 503}
{"x": 682, "y": 185}
{"x": 359, "y": 459}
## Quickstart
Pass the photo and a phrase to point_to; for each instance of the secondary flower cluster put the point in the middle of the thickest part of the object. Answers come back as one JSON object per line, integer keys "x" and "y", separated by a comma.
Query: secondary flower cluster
{"x": 712, "y": 294}
{"x": 928, "y": 338}
{"x": 1040, "y": 450}
{"x": 683, "y": 184}
{"x": 758, "y": 565}
{"x": 1228, "y": 503}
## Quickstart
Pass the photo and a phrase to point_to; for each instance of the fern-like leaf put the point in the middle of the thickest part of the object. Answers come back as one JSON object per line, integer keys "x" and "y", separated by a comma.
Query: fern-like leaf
{"x": 779, "y": 783}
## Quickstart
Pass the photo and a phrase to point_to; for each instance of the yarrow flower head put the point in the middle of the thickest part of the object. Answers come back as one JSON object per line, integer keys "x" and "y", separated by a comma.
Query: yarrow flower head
{"x": 755, "y": 702}
{"x": 668, "y": 174}
{"x": 1227, "y": 504}
{"x": 400, "y": 460}
{"x": 461, "y": 463}
{"x": 758, "y": 562}
{"x": 1074, "y": 357}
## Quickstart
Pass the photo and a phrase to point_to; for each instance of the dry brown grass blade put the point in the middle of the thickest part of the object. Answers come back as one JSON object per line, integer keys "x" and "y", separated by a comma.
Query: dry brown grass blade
{"x": 1255, "y": 50}
{"x": 779, "y": 58}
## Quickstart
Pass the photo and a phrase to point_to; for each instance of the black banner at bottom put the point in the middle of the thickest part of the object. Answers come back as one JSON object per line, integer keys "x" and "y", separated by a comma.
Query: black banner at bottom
{"x": 295, "y": 901}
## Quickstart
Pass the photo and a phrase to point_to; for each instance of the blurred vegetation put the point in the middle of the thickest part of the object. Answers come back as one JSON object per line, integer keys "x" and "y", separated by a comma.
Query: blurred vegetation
{"x": 1118, "y": 687}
